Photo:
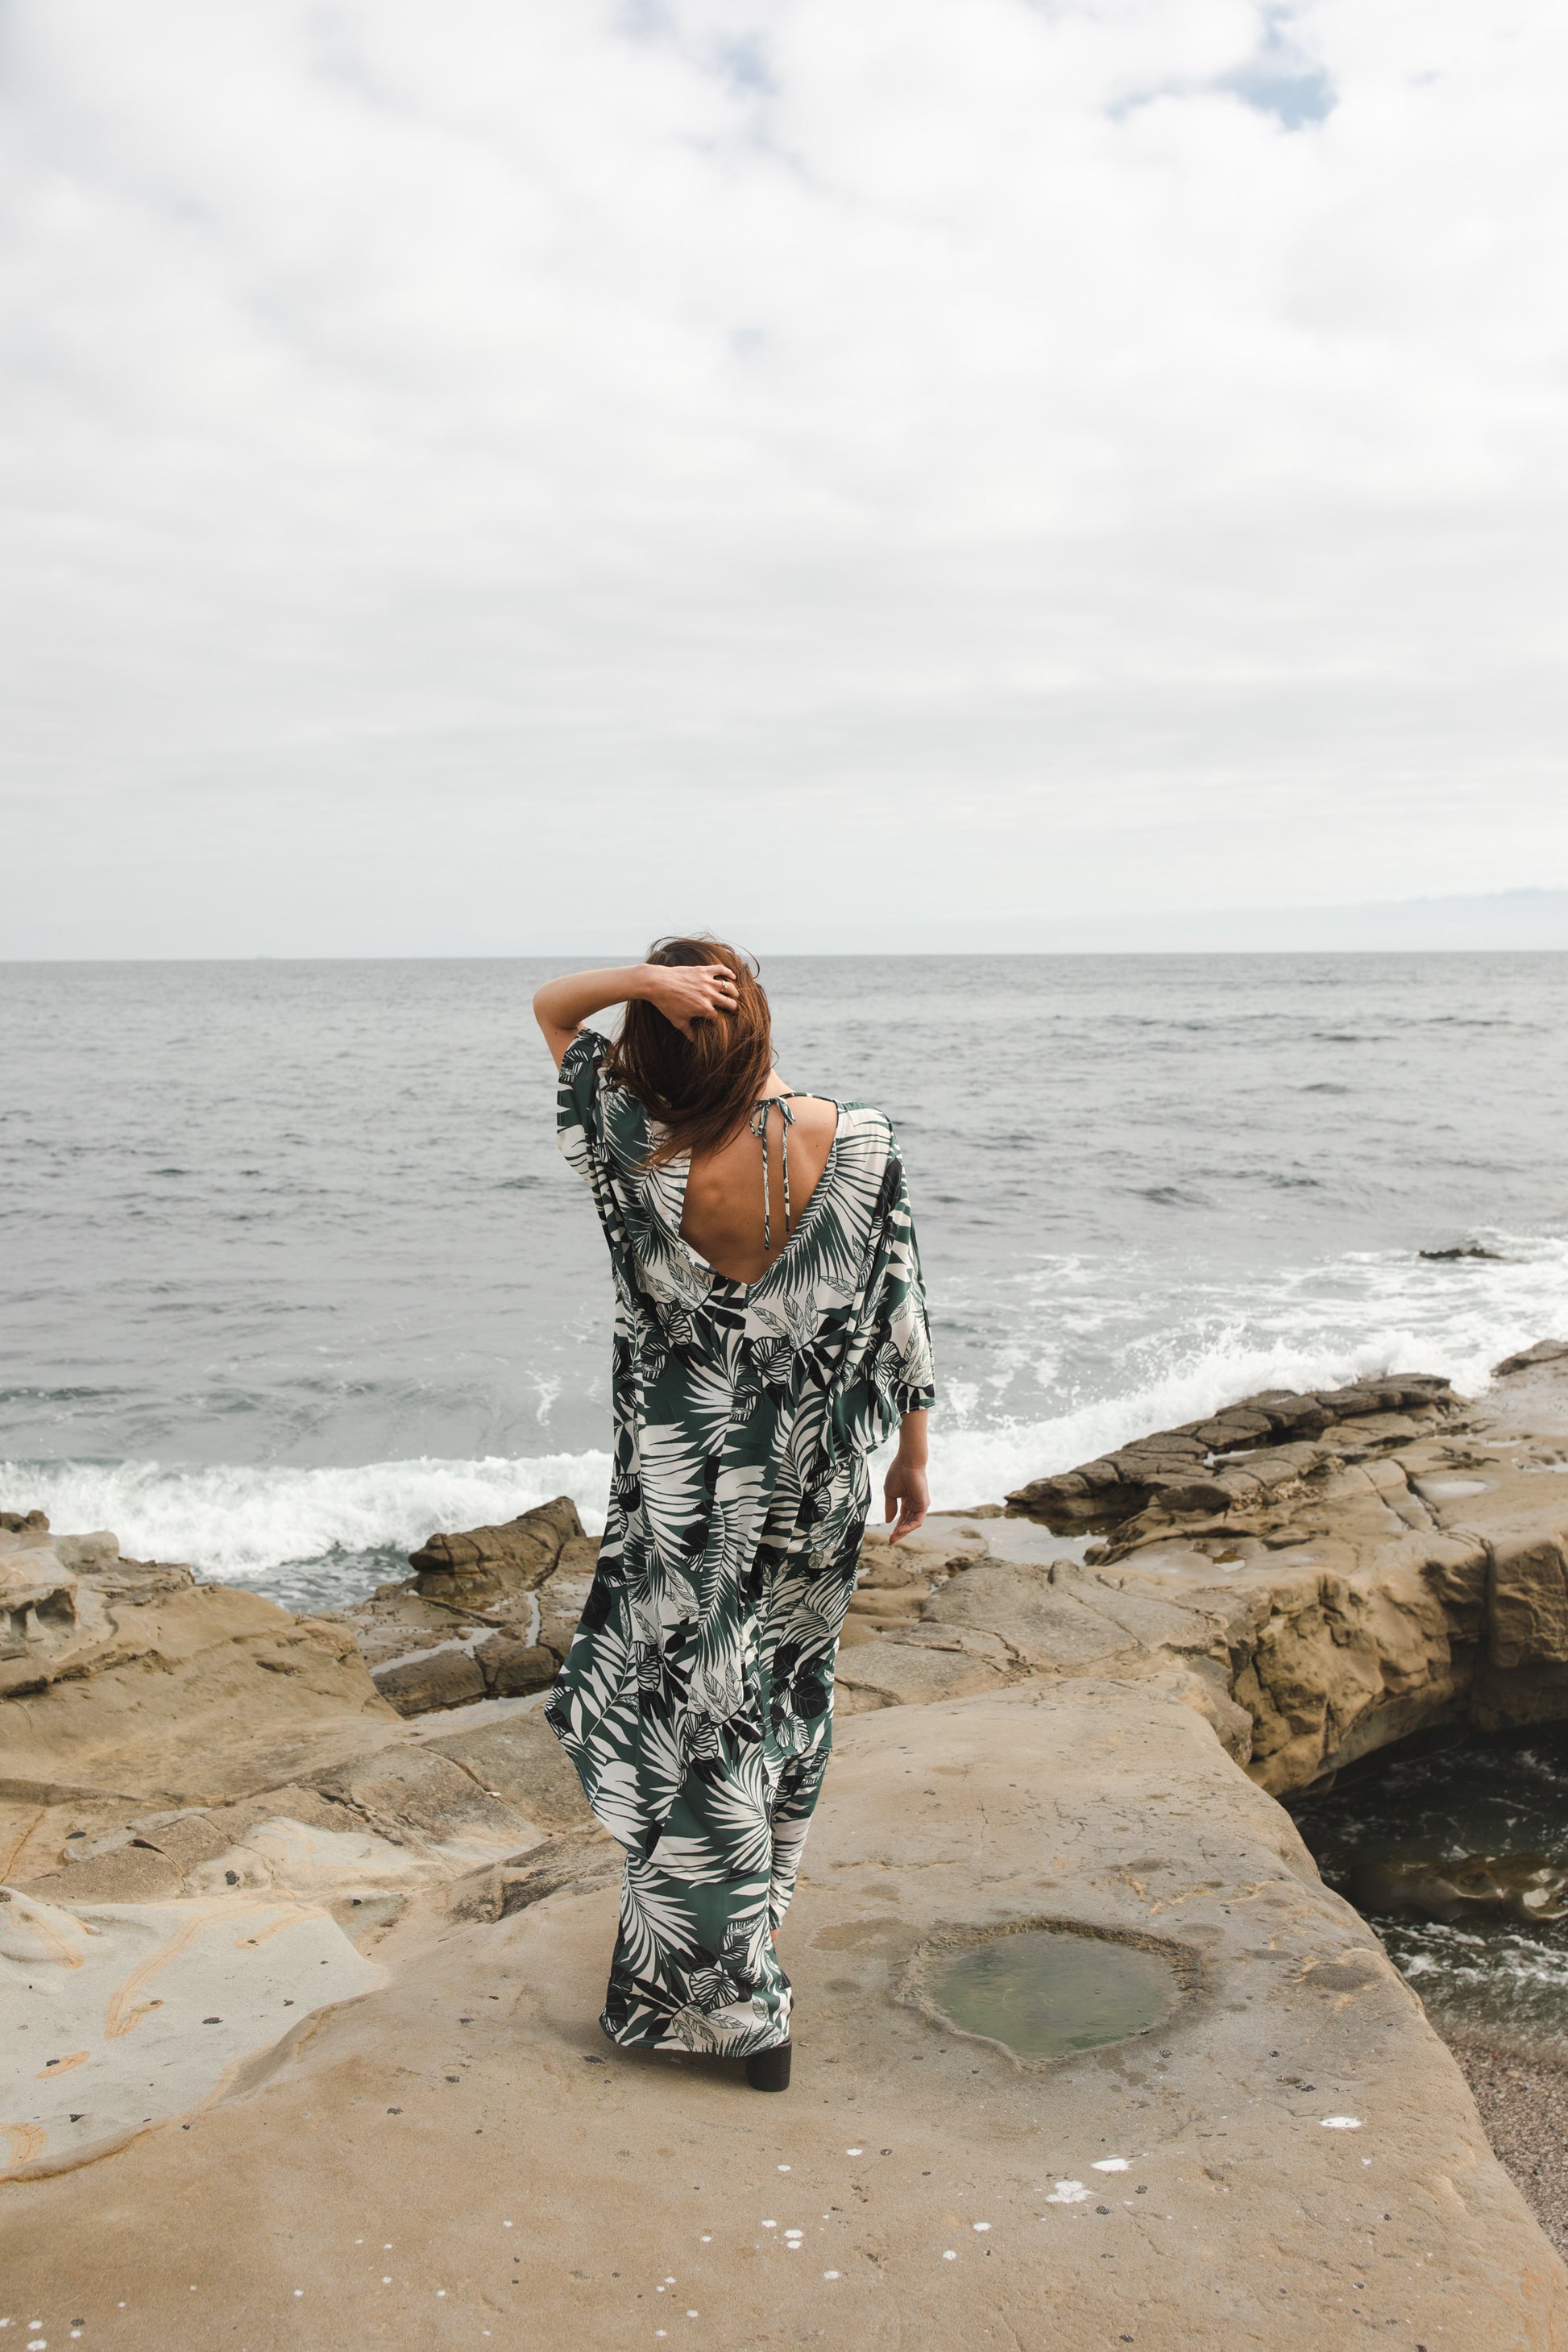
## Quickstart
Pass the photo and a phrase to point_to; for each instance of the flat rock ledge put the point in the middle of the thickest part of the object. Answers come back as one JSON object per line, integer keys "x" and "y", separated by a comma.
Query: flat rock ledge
{"x": 1239, "y": 1459}
{"x": 267, "y": 1917}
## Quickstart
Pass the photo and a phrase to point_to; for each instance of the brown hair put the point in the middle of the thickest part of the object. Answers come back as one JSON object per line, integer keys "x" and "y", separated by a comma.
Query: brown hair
{"x": 699, "y": 1089}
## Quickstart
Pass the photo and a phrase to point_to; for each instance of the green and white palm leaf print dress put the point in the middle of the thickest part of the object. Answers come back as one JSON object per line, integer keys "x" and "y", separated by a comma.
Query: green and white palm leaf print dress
{"x": 697, "y": 1699}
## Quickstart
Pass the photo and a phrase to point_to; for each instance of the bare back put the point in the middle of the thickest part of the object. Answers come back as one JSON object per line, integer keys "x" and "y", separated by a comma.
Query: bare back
{"x": 723, "y": 1215}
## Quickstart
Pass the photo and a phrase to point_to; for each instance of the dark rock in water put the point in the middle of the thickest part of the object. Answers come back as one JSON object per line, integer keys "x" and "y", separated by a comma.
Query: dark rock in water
{"x": 1450, "y": 1257}
{"x": 18, "y": 1523}
{"x": 1526, "y": 1887}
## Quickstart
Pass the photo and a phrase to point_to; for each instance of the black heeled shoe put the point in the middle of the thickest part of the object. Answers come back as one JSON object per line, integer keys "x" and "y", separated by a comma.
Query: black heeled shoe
{"x": 768, "y": 2070}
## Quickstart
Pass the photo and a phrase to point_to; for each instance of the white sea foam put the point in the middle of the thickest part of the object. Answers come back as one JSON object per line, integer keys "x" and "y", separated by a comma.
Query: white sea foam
{"x": 1316, "y": 1327}
{"x": 241, "y": 1523}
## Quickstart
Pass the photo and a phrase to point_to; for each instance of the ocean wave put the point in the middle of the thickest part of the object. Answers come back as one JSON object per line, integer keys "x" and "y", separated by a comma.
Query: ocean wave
{"x": 1317, "y": 1326}
{"x": 241, "y": 1523}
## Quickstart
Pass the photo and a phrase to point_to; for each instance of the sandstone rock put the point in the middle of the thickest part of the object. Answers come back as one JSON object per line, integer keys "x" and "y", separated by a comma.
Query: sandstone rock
{"x": 1044, "y": 1625}
{"x": 891, "y": 1673}
{"x": 1545, "y": 1351}
{"x": 1202, "y": 1687}
{"x": 203, "y": 1851}
{"x": 1355, "y": 1565}
{"x": 856, "y": 1629}
{"x": 502, "y": 1619}
{"x": 450, "y": 1676}
{"x": 1105, "y": 1805}
{"x": 1528, "y": 1616}
{"x": 579, "y": 1858}
{"x": 1176, "y": 1469}
{"x": 1236, "y": 1428}
{"x": 418, "y": 1796}
{"x": 195, "y": 1696}
{"x": 219, "y": 1705}
{"x": 520, "y": 1760}
{"x": 563, "y": 1595}
{"x": 299, "y": 1839}
{"x": 1368, "y": 1591}
{"x": 578, "y": 1556}
{"x": 1155, "y": 1618}
{"x": 149, "y": 2008}
{"x": 511, "y": 1668}
{"x": 133, "y": 1871}
{"x": 888, "y": 1567}
{"x": 944, "y": 1545}
{"x": 150, "y": 1859}
{"x": 134, "y": 1583}
{"x": 891, "y": 1608}
{"x": 492, "y": 1561}
{"x": 347, "y": 1868}
{"x": 1200, "y": 1498}
{"x": 399, "y": 1623}
{"x": 38, "y": 1606}
{"x": 402, "y": 1625}
{"x": 86, "y": 1553}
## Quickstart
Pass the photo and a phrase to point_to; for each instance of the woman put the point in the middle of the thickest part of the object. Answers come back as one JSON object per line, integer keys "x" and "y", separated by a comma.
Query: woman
{"x": 770, "y": 1331}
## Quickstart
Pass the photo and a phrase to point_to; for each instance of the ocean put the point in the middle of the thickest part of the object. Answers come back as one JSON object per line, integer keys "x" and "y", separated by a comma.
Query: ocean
{"x": 292, "y": 1273}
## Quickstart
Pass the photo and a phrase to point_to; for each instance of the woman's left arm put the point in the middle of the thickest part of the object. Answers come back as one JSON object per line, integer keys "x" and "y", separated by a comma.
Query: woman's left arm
{"x": 906, "y": 1490}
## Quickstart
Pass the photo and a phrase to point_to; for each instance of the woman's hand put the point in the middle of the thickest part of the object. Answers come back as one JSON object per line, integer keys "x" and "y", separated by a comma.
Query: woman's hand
{"x": 906, "y": 1491}
{"x": 684, "y": 992}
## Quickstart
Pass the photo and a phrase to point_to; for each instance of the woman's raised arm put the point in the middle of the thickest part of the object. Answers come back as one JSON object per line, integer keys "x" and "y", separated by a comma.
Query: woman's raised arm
{"x": 683, "y": 992}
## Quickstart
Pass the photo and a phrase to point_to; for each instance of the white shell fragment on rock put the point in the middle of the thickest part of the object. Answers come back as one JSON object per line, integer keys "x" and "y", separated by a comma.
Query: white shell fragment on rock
{"x": 1342, "y": 2122}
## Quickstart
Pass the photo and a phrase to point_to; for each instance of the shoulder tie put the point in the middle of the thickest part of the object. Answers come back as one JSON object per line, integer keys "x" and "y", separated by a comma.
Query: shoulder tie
{"x": 760, "y": 1128}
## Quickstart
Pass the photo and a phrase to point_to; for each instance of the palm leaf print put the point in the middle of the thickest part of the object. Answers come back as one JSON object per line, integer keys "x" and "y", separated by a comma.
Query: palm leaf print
{"x": 697, "y": 1699}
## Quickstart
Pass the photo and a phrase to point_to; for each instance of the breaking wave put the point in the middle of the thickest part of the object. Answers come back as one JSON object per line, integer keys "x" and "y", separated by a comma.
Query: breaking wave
{"x": 1320, "y": 1325}
{"x": 240, "y": 1524}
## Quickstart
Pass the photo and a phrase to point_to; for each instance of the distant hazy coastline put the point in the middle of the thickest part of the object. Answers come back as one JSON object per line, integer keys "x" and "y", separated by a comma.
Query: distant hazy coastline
{"x": 1497, "y": 922}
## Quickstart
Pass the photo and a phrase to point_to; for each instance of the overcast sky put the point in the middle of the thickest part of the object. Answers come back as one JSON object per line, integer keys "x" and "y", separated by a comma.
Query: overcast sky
{"x": 487, "y": 478}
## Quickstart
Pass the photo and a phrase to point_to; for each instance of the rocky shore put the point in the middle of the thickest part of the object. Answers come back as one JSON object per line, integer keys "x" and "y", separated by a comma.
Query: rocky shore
{"x": 305, "y": 1922}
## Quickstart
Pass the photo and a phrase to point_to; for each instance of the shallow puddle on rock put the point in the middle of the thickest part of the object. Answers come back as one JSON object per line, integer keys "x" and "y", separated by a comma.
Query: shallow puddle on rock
{"x": 1048, "y": 1991}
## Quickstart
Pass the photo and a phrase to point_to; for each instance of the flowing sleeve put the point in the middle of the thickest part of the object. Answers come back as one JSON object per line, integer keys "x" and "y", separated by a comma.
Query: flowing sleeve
{"x": 885, "y": 1368}
{"x": 900, "y": 1340}
{"x": 579, "y": 1107}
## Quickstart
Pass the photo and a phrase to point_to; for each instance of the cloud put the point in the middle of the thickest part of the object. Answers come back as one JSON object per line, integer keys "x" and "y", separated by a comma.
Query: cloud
{"x": 483, "y": 478}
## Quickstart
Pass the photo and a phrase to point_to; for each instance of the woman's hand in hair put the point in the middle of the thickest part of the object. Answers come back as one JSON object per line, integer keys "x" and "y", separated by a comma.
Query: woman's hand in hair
{"x": 682, "y": 992}
{"x": 688, "y": 992}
